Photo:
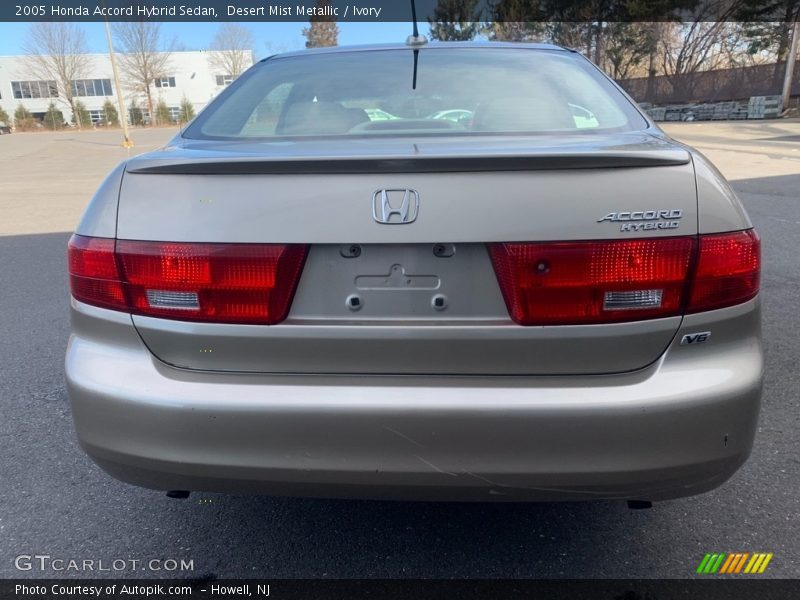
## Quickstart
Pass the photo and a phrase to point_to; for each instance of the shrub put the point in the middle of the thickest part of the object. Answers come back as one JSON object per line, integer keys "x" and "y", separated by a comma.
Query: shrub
{"x": 110, "y": 114}
{"x": 23, "y": 119}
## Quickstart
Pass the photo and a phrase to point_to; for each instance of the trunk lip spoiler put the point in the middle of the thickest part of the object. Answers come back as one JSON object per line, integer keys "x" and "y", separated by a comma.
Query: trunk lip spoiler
{"x": 321, "y": 165}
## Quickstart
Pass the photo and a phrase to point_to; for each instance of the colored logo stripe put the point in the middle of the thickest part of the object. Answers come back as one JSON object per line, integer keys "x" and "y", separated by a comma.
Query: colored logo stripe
{"x": 704, "y": 563}
{"x": 734, "y": 563}
{"x": 731, "y": 560}
{"x": 740, "y": 564}
{"x": 710, "y": 563}
{"x": 758, "y": 563}
{"x": 723, "y": 563}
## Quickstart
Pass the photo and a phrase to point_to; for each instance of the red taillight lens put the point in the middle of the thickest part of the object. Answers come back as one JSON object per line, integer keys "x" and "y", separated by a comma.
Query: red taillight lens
{"x": 93, "y": 275}
{"x": 220, "y": 283}
{"x": 568, "y": 283}
{"x": 571, "y": 283}
{"x": 223, "y": 283}
{"x": 728, "y": 270}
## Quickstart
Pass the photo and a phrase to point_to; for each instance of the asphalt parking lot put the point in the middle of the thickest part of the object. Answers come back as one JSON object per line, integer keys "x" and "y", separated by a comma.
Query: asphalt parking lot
{"x": 54, "y": 501}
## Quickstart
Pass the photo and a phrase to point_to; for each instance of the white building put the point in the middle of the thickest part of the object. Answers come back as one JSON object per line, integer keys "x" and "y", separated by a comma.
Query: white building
{"x": 188, "y": 75}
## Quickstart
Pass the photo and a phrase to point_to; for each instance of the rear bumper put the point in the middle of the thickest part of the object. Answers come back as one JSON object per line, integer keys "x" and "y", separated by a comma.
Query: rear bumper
{"x": 679, "y": 427}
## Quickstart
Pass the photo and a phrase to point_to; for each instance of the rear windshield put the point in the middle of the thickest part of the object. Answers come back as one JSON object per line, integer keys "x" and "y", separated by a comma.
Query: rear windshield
{"x": 454, "y": 91}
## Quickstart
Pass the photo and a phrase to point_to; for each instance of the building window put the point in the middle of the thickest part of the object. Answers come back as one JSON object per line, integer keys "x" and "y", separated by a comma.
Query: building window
{"x": 162, "y": 82}
{"x": 175, "y": 113}
{"x": 92, "y": 87}
{"x": 224, "y": 79}
{"x": 97, "y": 116}
{"x": 34, "y": 89}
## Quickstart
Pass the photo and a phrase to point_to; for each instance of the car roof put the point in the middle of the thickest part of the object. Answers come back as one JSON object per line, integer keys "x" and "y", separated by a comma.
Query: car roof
{"x": 429, "y": 46}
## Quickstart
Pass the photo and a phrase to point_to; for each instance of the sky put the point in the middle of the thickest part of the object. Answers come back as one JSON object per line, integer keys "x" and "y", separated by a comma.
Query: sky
{"x": 270, "y": 37}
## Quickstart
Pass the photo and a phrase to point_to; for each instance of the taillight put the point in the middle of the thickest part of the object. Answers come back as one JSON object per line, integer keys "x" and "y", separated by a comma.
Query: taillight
{"x": 93, "y": 275}
{"x": 220, "y": 283}
{"x": 728, "y": 270}
{"x": 572, "y": 283}
{"x": 569, "y": 283}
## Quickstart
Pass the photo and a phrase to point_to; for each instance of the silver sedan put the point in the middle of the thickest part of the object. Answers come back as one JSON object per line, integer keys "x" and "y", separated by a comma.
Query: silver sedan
{"x": 548, "y": 300}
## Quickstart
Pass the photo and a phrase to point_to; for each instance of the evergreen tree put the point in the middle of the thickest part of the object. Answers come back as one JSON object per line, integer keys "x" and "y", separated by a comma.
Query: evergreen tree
{"x": 163, "y": 116}
{"x": 23, "y": 119}
{"x": 4, "y": 117}
{"x": 22, "y": 113}
{"x": 455, "y": 21}
{"x": 135, "y": 114}
{"x": 516, "y": 21}
{"x": 110, "y": 114}
{"x": 627, "y": 46}
{"x": 81, "y": 116}
{"x": 322, "y": 30}
{"x": 53, "y": 118}
{"x": 187, "y": 110}
{"x": 769, "y": 29}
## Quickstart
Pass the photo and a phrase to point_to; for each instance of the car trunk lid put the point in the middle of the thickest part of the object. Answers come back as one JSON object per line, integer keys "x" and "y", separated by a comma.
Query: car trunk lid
{"x": 599, "y": 187}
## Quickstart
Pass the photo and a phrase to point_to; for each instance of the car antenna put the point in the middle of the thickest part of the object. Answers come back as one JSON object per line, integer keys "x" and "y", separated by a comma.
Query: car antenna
{"x": 415, "y": 39}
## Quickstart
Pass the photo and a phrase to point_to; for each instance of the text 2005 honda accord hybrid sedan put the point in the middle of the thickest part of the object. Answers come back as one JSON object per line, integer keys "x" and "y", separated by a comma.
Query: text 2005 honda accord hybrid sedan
{"x": 540, "y": 298}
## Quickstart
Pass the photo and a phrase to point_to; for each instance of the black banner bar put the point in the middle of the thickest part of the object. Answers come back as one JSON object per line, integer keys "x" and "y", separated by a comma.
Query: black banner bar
{"x": 398, "y": 10}
{"x": 735, "y": 588}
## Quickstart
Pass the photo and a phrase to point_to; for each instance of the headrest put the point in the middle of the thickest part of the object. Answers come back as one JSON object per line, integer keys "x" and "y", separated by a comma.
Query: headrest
{"x": 522, "y": 114}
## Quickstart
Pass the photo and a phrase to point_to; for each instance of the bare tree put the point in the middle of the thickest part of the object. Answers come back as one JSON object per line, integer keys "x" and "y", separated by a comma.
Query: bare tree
{"x": 578, "y": 35}
{"x": 690, "y": 47}
{"x": 145, "y": 57}
{"x": 655, "y": 30}
{"x": 231, "y": 50}
{"x": 322, "y": 30}
{"x": 58, "y": 52}
{"x": 273, "y": 48}
{"x": 687, "y": 48}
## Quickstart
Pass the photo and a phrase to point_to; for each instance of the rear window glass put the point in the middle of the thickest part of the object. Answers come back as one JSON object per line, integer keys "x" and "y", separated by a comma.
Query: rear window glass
{"x": 455, "y": 91}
